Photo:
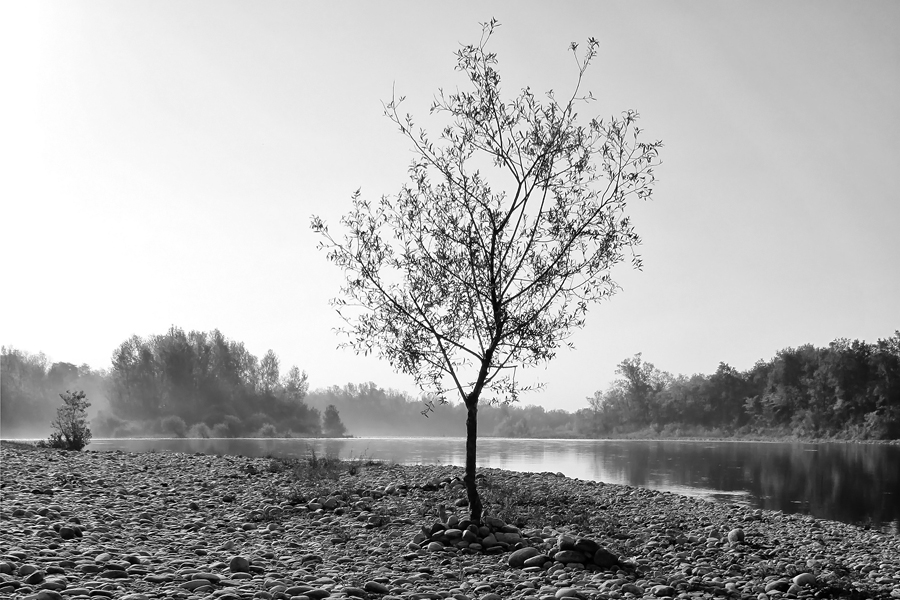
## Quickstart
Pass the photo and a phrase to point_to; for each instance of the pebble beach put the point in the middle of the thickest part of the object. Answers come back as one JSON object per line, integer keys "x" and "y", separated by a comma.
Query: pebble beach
{"x": 98, "y": 525}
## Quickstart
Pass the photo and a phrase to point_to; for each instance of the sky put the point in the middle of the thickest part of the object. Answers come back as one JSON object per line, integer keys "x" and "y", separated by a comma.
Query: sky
{"x": 160, "y": 162}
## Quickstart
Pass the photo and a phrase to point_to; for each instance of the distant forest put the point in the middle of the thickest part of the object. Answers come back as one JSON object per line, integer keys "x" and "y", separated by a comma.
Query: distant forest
{"x": 202, "y": 384}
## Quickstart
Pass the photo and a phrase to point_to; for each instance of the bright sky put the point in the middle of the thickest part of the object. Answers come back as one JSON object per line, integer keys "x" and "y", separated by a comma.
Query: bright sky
{"x": 159, "y": 163}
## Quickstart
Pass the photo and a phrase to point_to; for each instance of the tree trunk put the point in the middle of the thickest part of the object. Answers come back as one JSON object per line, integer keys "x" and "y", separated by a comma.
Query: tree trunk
{"x": 469, "y": 479}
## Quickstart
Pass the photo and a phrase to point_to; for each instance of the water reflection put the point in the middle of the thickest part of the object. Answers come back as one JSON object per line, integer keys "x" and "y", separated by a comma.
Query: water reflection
{"x": 853, "y": 483}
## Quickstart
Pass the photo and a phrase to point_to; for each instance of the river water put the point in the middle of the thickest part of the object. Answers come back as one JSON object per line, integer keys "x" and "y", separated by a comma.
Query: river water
{"x": 853, "y": 483}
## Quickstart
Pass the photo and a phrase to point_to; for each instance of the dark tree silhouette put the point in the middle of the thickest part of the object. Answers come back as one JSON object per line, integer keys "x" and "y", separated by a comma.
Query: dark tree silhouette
{"x": 331, "y": 422}
{"x": 490, "y": 256}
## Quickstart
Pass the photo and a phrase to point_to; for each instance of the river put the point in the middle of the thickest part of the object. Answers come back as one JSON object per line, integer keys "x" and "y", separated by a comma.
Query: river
{"x": 853, "y": 483}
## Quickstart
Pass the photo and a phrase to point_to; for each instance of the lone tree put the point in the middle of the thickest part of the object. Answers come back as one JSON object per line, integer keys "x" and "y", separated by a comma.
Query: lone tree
{"x": 332, "y": 425}
{"x": 71, "y": 428}
{"x": 487, "y": 260}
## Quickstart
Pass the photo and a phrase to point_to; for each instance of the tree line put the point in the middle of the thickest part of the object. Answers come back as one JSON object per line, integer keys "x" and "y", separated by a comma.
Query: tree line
{"x": 849, "y": 389}
{"x": 194, "y": 384}
{"x": 201, "y": 384}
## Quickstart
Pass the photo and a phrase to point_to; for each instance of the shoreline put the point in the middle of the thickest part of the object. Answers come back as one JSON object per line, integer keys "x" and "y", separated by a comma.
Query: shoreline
{"x": 171, "y": 525}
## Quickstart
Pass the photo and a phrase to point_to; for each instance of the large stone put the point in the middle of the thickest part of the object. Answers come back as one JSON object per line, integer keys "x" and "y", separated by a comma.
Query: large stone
{"x": 493, "y": 522}
{"x": 239, "y": 564}
{"x": 585, "y": 545}
{"x": 565, "y": 542}
{"x": 569, "y": 556}
{"x": 804, "y": 579}
{"x": 662, "y": 590}
{"x": 508, "y": 538}
{"x": 537, "y": 561}
{"x": 605, "y": 559}
{"x": 375, "y": 587}
{"x": 34, "y": 578}
{"x": 517, "y": 559}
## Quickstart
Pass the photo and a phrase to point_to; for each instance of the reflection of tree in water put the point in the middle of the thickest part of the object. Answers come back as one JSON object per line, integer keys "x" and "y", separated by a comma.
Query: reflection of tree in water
{"x": 334, "y": 447}
{"x": 847, "y": 482}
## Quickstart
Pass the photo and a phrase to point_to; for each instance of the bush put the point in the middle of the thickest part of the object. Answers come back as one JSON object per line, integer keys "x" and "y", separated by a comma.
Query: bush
{"x": 105, "y": 424}
{"x": 220, "y": 430}
{"x": 72, "y": 431}
{"x": 267, "y": 431}
{"x": 174, "y": 425}
{"x": 198, "y": 431}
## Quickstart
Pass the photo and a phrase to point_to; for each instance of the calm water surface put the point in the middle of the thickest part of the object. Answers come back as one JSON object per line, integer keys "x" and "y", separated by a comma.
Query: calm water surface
{"x": 853, "y": 483}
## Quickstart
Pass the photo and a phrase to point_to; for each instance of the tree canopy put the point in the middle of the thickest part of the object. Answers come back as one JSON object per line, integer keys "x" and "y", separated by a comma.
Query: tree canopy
{"x": 489, "y": 257}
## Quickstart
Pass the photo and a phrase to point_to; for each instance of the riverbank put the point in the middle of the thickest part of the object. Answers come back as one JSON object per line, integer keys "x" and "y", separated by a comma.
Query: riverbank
{"x": 171, "y": 525}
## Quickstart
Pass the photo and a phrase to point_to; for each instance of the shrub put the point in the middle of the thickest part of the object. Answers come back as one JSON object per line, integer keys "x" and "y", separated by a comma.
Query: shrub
{"x": 198, "y": 431}
{"x": 220, "y": 430}
{"x": 106, "y": 424}
{"x": 174, "y": 425}
{"x": 72, "y": 431}
{"x": 267, "y": 431}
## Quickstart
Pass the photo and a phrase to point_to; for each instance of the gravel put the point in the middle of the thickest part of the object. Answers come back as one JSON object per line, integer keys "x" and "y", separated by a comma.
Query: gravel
{"x": 96, "y": 525}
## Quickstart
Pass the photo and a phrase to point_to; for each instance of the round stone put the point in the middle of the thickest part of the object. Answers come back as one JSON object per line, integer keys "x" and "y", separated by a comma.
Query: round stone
{"x": 569, "y": 556}
{"x": 239, "y": 564}
{"x": 736, "y": 535}
{"x": 779, "y": 585}
{"x": 517, "y": 559}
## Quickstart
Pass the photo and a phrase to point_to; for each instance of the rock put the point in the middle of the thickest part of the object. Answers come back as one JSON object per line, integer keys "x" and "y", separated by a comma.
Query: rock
{"x": 34, "y": 578}
{"x": 662, "y": 590}
{"x": 239, "y": 564}
{"x": 517, "y": 559}
{"x": 779, "y": 585}
{"x": 45, "y": 595}
{"x": 605, "y": 559}
{"x": 804, "y": 579}
{"x": 632, "y": 589}
{"x": 536, "y": 561}
{"x": 434, "y": 547}
{"x": 567, "y": 592}
{"x": 736, "y": 535}
{"x": 508, "y": 538}
{"x": 375, "y": 587}
{"x": 565, "y": 542}
{"x": 585, "y": 545}
{"x": 494, "y": 522}
{"x": 193, "y": 584}
{"x": 115, "y": 574}
{"x": 569, "y": 556}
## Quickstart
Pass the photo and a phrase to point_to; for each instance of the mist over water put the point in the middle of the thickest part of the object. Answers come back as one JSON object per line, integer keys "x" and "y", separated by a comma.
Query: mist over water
{"x": 853, "y": 483}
